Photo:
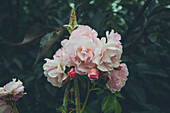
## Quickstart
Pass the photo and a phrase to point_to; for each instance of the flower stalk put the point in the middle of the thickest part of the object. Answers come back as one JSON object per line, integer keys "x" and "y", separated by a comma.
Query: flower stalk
{"x": 13, "y": 105}
{"x": 66, "y": 97}
{"x": 87, "y": 96}
{"x": 77, "y": 95}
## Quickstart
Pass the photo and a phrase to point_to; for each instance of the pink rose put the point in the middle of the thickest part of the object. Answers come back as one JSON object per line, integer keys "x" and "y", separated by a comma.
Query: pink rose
{"x": 14, "y": 88}
{"x": 117, "y": 79}
{"x": 93, "y": 74}
{"x": 4, "y": 108}
{"x": 79, "y": 52}
{"x": 84, "y": 30}
{"x": 107, "y": 55}
{"x": 54, "y": 71}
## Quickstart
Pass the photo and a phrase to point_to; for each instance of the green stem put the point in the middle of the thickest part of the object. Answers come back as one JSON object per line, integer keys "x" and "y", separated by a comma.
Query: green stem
{"x": 88, "y": 92}
{"x": 16, "y": 108}
{"x": 71, "y": 92}
{"x": 66, "y": 97}
{"x": 87, "y": 96}
{"x": 72, "y": 110}
{"x": 77, "y": 95}
{"x": 13, "y": 105}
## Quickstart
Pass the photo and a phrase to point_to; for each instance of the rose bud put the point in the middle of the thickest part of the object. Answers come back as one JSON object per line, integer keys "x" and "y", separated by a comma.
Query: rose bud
{"x": 93, "y": 74}
{"x": 72, "y": 73}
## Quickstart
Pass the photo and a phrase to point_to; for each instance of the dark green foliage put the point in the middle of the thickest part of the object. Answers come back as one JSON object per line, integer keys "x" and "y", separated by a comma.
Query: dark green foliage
{"x": 143, "y": 24}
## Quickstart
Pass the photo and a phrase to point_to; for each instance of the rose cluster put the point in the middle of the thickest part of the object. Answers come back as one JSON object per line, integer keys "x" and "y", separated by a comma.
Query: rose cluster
{"x": 90, "y": 56}
{"x": 12, "y": 91}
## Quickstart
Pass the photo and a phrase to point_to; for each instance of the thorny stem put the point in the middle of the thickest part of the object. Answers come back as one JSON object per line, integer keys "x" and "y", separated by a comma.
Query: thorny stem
{"x": 87, "y": 96}
{"x": 77, "y": 95}
{"x": 88, "y": 92}
{"x": 66, "y": 97}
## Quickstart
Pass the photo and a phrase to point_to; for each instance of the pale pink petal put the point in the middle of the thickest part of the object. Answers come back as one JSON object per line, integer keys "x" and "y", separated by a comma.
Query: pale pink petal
{"x": 54, "y": 70}
{"x": 117, "y": 79}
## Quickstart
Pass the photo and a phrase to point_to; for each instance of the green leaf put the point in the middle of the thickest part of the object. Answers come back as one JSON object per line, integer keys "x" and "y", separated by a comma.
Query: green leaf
{"x": 110, "y": 109}
{"x": 118, "y": 94}
{"x": 47, "y": 41}
{"x": 117, "y": 106}
{"x": 61, "y": 109}
{"x": 96, "y": 89}
{"x": 107, "y": 101}
{"x": 100, "y": 92}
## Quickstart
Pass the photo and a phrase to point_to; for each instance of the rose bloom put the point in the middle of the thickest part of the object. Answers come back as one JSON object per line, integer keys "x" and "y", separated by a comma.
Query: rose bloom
{"x": 14, "y": 88}
{"x": 54, "y": 70}
{"x": 78, "y": 51}
{"x": 84, "y": 30}
{"x": 4, "y": 108}
{"x": 107, "y": 54}
{"x": 117, "y": 79}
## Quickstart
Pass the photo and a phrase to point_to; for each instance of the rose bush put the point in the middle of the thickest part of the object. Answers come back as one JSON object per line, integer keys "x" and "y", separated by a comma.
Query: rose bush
{"x": 87, "y": 53}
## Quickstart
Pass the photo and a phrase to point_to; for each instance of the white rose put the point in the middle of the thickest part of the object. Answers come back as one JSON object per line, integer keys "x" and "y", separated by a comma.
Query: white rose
{"x": 54, "y": 71}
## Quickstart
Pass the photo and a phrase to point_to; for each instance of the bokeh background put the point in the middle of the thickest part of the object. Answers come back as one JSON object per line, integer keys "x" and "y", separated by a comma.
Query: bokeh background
{"x": 145, "y": 29}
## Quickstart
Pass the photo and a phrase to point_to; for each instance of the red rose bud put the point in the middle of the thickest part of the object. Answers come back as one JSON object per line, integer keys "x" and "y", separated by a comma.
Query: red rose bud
{"x": 105, "y": 77}
{"x": 72, "y": 73}
{"x": 66, "y": 80}
{"x": 120, "y": 67}
{"x": 93, "y": 74}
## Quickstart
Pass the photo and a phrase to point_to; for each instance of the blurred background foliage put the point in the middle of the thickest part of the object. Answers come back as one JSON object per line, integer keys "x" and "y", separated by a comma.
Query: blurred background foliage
{"x": 143, "y": 24}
